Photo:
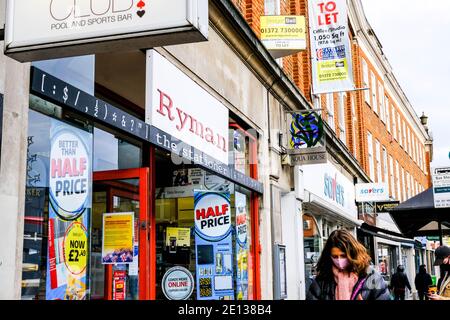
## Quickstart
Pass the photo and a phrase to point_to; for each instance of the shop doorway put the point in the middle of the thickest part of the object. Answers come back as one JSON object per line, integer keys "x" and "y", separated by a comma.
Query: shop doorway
{"x": 121, "y": 191}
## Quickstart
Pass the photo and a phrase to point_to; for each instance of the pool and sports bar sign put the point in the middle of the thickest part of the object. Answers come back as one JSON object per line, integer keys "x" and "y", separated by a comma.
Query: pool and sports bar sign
{"x": 46, "y": 29}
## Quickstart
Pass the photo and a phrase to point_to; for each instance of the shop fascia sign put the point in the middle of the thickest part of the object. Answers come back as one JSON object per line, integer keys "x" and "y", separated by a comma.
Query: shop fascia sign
{"x": 371, "y": 192}
{"x": 182, "y": 110}
{"x": 326, "y": 181}
{"x": 47, "y": 29}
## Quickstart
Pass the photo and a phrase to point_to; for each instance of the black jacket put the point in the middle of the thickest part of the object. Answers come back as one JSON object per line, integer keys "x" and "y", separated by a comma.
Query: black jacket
{"x": 422, "y": 281}
{"x": 400, "y": 281}
{"x": 374, "y": 288}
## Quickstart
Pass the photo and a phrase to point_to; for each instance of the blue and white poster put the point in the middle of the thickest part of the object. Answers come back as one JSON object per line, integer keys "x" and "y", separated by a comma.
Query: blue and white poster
{"x": 70, "y": 183}
{"x": 241, "y": 246}
{"x": 213, "y": 246}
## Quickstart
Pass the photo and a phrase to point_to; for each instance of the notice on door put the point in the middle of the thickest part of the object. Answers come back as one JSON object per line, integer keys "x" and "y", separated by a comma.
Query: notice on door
{"x": 118, "y": 232}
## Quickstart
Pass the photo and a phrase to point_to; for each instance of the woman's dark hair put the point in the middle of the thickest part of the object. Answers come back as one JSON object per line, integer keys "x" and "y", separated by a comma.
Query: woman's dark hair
{"x": 358, "y": 258}
{"x": 422, "y": 268}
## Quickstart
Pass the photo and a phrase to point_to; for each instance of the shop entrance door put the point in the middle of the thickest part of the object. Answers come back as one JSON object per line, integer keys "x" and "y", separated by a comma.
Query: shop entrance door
{"x": 121, "y": 191}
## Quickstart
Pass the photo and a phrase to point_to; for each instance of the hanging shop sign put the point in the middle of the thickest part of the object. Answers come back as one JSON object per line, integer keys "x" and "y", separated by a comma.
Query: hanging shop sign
{"x": 177, "y": 283}
{"x": 441, "y": 187}
{"x": 59, "y": 92}
{"x": 371, "y": 192}
{"x": 182, "y": 109}
{"x": 283, "y": 35}
{"x": 386, "y": 206}
{"x": 213, "y": 246}
{"x": 69, "y": 212}
{"x": 118, "y": 232}
{"x": 242, "y": 247}
{"x": 330, "y": 46}
{"x": 47, "y": 29}
{"x": 306, "y": 142}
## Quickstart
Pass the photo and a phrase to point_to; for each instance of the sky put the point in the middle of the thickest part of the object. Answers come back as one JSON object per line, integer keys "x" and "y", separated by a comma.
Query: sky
{"x": 416, "y": 40}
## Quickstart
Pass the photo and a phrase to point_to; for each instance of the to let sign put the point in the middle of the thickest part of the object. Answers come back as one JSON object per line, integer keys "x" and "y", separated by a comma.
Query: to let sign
{"x": 45, "y": 29}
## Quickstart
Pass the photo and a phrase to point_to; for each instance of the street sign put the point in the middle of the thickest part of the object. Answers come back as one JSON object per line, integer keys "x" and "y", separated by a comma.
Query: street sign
{"x": 441, "y": 187}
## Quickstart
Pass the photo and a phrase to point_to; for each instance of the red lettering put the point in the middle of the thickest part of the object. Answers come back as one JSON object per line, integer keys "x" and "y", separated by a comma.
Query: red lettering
{"x": 328, "y": 16}
{"x": 200, "y": 214}
{"x": 165, "y": 102}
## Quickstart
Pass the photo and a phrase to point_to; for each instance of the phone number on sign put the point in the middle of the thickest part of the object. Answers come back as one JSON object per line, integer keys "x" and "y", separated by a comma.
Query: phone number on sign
{"x": 281, "y": 30}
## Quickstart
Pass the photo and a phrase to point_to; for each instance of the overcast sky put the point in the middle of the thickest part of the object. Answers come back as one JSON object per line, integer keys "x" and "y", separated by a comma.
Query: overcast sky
{"x": 415, "y": 35}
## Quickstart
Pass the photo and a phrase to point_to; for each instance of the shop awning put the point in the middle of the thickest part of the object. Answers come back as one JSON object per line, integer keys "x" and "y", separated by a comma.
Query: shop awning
{"x": 418, "y": 216}
{"x": 313, "y": 201}
{"x": 387, "y": 234}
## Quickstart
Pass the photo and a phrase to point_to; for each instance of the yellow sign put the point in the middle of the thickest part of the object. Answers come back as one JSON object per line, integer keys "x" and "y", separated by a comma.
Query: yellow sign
{"x": 118, "y": 229}
{"x": 283, "y": 32}
{"x": 178, "y": 237}
{"x": 75, "y": 248}
{"x": 332, "y": 70}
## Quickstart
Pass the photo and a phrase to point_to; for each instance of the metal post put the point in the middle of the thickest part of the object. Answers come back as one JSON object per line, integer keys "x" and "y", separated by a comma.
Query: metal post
{"x": 440, "y": 233}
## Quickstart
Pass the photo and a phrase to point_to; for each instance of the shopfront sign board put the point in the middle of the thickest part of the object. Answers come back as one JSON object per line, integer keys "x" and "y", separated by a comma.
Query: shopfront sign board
{"x": 371, "y": 192}
{"x": 441, "y": 187}
{"x": 48, "y": 29}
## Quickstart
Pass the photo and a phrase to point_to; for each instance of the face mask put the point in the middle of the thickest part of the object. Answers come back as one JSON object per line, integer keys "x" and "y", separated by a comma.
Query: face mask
{"x": 340, "y": 263}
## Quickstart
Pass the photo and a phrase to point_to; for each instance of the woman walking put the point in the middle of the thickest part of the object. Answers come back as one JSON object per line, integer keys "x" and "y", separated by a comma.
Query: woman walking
{"x": 344, "y": 272}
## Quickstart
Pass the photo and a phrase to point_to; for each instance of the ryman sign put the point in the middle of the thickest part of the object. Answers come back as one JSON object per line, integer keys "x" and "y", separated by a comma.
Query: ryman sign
{"x": 45, "y": 29}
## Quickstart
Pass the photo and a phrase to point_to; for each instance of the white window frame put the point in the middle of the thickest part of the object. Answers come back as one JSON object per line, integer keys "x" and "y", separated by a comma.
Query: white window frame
{"x": 385, "y": 165}
{"x": 330, "y": 110}
{"x": 394, "y": 122}
{"x": 381, "y": 101}
{"x": 403, "y": 185}
{"x": 277, "y": 6}
{"x": 391, "y": 176}
{"x": 342, "y": 98}
{"x": 378, "y": 160}
{"x": 397, "y": 180}
{"x": 374, "y": 86}
{"x": 365, "y": 69}
{"x": 370, "y": 155}
{"x": 387, "y": 108}
{"x": 354, "y": 122}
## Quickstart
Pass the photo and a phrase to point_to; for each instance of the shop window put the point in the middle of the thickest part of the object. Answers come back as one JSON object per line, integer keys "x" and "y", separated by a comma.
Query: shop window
{"x": 175, "y": 229}
{"x": 242, "y": 153}
{"x": 311, "y": 241}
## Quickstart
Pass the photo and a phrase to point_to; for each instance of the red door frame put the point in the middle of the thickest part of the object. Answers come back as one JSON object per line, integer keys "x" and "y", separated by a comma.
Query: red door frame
{"x": 145, "y": 269}
{"x": 254, "y": 211}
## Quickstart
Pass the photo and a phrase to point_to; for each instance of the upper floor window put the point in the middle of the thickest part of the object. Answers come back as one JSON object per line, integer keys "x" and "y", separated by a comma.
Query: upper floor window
{"x": 378, "y": 160}
{"x": 370, "y": 154}
{"x": 342, "y": 106}
{"x": 374, "y": 93}
{"x": 381, "y": 102}
{"x": 365, "y": 84}
{"x": 387, "y": 112}
{"x": 394, "y": 122}
{"x": 330, "y": 110}
{"x": 271, "y": 7}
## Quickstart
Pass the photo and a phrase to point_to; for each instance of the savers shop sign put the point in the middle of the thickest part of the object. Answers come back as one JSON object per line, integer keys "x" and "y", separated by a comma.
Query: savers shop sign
{"x": 70, "y": 175}
{"x": 212, "y": 215}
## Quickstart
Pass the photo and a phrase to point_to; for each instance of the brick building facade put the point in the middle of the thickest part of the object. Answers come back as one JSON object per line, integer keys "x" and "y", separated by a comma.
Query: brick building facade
{"x": 398, "y": 153}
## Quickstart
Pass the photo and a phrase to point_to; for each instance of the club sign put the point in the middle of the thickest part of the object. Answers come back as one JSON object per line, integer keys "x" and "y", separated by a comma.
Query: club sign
{"x": 35, "y": 28}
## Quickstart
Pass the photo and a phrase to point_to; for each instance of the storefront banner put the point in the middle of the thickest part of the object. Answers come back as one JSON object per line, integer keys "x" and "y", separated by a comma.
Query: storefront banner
{"x": 178, "y": 283}
{"x": 70, "y": 186}
{"x": 328, "y": 183}
{"x": 283, "y": 35}
{"x": 213, "y": 246}
{"x": 54, "y": 90}
{"x": 83, "y": 26}
{"x": 330, "y": 46}
{"x": 118, "y": 235}
{"x": 371, "y": 192}
{"x": 242, "y": 246}
{"x": 180, "y": 107}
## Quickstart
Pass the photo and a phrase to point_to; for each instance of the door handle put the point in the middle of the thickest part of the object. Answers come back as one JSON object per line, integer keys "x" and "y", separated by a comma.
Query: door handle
{"x": 144, "y": 225}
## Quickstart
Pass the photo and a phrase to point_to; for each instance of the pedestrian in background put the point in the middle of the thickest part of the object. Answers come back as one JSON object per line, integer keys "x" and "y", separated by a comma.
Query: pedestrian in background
{"x": 443, "y": 260}
{"x": 422, "y": 282}
{"x": 399, "y": 283}
{"x": 344, "y": 272}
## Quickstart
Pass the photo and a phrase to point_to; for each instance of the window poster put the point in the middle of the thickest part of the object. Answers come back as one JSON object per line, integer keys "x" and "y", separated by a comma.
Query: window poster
{"x": 213, "y": 245}
{"x": 70, "y": 181}
{"x": 241, "y": 246}
{"x": 118, "y": 232}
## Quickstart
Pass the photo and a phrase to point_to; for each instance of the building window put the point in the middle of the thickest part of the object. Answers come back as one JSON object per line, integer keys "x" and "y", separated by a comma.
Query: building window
{"x": 330, "y": 109}
{"x": 381, "y": 106}
{"x": 403, "y": 185}
{"x": 400, "y": 133}
{"x": 354, "y": 122}
{"x": 385, "y": 166}
{"x": 370, "y": 153}
{"x": 342, "y": 133}
{"x": 404, "y": 143}
{"x": 374, "y": 93}
{"x": 378, "y": 159}
{"x": 408, "y": 185}
{"x": 397, "y": 179}
{"x": 391, "y": 177}
{"x": 271, "y": 7}
{"x": 387, "y": 112}
{"x": 409, "y": 140}
{"x": 366, "y": 81}
{"x": 394, "y": 122}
